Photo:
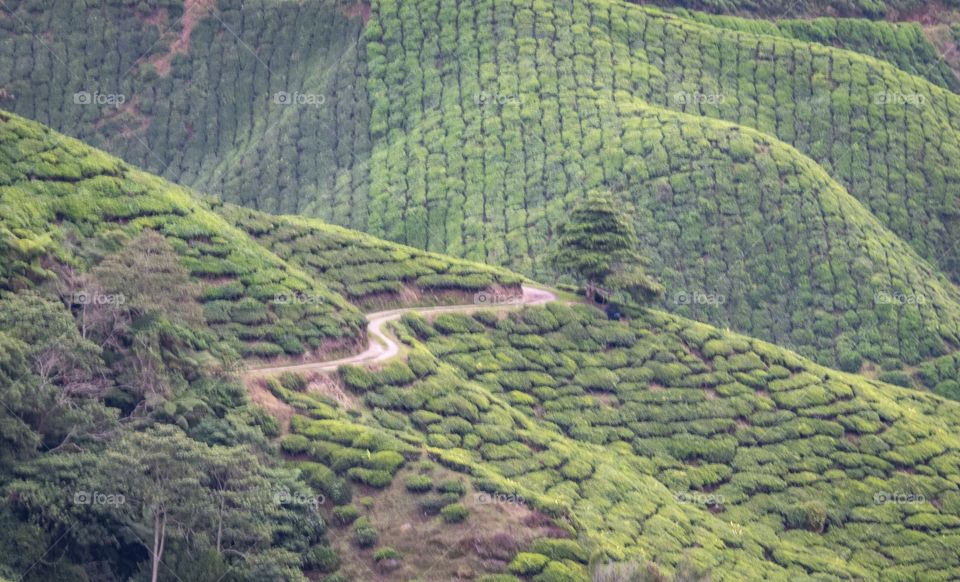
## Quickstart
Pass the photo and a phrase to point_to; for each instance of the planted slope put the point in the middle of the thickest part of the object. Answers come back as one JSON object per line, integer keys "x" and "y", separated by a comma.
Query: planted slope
{"x": 263, "y": 104}
{"x": 664, "y": 438}
{"x": 211, "y": 119}
{"x": 367, "y": 270}
{"x": 487, "y": 121}
{"x": 902, "y": 44}
{"x": 62, "y": 199}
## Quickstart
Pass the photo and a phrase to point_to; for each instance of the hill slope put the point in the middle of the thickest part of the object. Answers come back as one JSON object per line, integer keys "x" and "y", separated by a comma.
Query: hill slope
{"x": 471, "y": 128}
{"x": 665, "y": 440}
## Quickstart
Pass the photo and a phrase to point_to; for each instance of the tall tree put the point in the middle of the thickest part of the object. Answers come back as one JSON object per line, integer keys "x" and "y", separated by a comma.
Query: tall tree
{"x": 137, "y": 301}
{"x": 50, "y": 378}
{"x": 597, "y": 246}
{"x": 160, "y": 471}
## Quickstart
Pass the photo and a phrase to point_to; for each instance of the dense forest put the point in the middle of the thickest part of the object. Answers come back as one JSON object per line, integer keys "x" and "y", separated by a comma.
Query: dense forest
{"x": 489, "y": 290}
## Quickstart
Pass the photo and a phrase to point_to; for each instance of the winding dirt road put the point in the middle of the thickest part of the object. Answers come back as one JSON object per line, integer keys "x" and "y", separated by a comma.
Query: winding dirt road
{"x": 383, "y": 346}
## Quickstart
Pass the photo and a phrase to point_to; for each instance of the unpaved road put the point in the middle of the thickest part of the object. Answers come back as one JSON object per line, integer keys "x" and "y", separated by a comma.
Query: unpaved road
{"x": 383, "y": 347}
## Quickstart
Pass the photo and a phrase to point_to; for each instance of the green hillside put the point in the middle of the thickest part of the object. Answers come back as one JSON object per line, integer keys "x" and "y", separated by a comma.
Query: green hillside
{"x": 126, "y": 305}
{"x": 366, "y": 270}
{"x": 202, "y": 85}
{"x": 668, "y": 440}
{"x": 471, "y": 128}
{"x": 65, "y": 205}
{"x": 901, "y": 44}
{"x": 786, "y": 9}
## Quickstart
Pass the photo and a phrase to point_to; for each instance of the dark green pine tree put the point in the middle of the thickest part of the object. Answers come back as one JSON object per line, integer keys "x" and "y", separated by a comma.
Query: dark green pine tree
{"x": 597, "y": 246}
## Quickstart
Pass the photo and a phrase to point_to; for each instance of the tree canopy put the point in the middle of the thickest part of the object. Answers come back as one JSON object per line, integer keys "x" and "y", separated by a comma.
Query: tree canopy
{"x": 597, "y": 246}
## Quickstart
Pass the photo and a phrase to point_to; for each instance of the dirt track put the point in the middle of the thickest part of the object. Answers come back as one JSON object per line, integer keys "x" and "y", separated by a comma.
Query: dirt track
{"x": 383, "y": 347}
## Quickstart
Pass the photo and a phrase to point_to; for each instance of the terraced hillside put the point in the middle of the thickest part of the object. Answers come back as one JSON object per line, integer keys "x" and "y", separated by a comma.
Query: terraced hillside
{"x": 55, "y": 190}
{"x": 262, "y": 103}
{"x": 891, "y": 9}
{"x": 66, "y": 205}
{"x": 534, "y": 446}
{"x": 665, "y": 440}
{"x": 902, "y": 44}
{"x": 370, "y": 271}
{"x": 471, "y": 128}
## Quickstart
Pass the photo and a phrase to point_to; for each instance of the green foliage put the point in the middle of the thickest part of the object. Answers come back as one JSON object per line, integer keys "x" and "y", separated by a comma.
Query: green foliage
{"x": 418, "y": 483}
{"x": 386, "y": 553}
{"x": 322, "y": 558}
{"x": 364, "y": 535}
{"x": 454, "y": 513}
{"x": 597, "y": 244}
{"x": 346, "y": 514}
{"x": 527, "y": 563}
{"x": 293, "y": 381}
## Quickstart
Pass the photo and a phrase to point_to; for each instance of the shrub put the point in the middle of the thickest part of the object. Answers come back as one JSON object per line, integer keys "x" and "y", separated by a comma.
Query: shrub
{"x": 454, "y": 513}
{"x": 418, "y": 325}
{"x": 897, "y": 378}
{"x": 386, "y": 553}
{"x": 811, "y": 515}
{"x": 293, "y": 381}
{"x": 576, "y": 470}
{"x": 432, "y": 504}
{"x": 323, "y": 479}
{"x": 395, "y": 373}
{"x": 322, "y": 558}
{"x": 295, "y": 444}
{"x": 371, "y": 477}
{"x": 418, "y": 483}
{"x": 230, "y": 290}
{"x": 561, "y": 549}
{"x": 356, "y": 378}
{"x": 559, "y": 572}
{"x": 452, "y": 486}
{"x": 422, "y": 362}
{"x": 346, "y": 514}
{"x": 527, "y": 563}
{"x": 364, "y": 533}
{"x": 388, "y": 461}
{"x": 596, "y": 379}
{"x": 450, "y": 323}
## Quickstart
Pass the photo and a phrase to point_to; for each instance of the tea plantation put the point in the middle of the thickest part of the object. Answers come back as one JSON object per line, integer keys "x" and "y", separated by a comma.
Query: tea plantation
{"x": 665, "y": 438}
{"x": 367, "y": 270}
{"x": 787, "y": 172}
{"x": 472, "y": 128}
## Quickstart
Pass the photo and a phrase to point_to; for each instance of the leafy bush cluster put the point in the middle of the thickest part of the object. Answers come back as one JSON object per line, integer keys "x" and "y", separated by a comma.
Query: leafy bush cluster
{"x": 857, "y": 148}
{"x": 189, "y": 115}
{"x": 363, "y": 268}
{"x": 682, "y": 432}
{"x": 65, "y": 190}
